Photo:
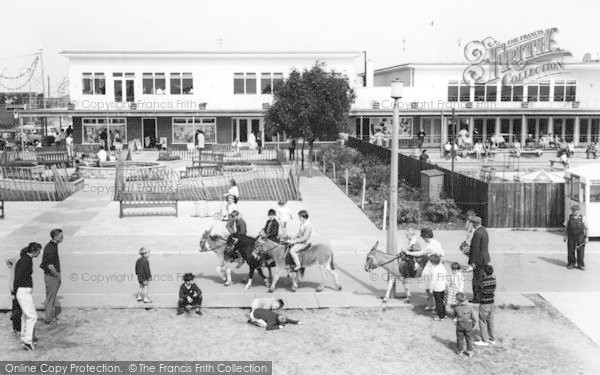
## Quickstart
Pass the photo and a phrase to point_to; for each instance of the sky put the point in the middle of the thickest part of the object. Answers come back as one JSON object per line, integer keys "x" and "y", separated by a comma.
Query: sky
{"x": 392, "y": 32}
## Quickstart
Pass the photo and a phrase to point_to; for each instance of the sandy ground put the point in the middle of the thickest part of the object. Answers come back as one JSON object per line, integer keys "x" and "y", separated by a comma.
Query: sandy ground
{"x": 334, "y": 341}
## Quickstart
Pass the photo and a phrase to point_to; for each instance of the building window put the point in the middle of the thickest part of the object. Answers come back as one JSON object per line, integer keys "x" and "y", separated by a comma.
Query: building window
{"x": 506, "y": 93}
{"x": 181, "y": 83}
{"x": 544, "y": 91}
{"x": 458, "y": 91}
{"x": 250, "y": 83}
{"x": 268, "y": 81}
{"x": 88, "y": 87}
{"x": 517, "y": 95}
{"x": 571, "y": 91}
{"x": 244, "y": 83}
{"x": 266, "y": 86}
{"x": 154, "y": 83}
{"x": 184, "y": 129}
{"x": 93, "y": 84}
{"x": 479, "y": 93}
{"x": 93, "y": 128}
{"x": 532, "y": 92}
{"x": 564, "y": 91}
{"x": 491, "y": 92}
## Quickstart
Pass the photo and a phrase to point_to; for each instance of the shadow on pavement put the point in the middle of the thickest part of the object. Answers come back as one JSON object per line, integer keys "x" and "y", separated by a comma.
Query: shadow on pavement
{"x": 556, "y": 262}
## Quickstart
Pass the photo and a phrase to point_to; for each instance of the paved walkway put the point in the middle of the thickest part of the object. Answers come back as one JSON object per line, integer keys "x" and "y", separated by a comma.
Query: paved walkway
{"x": 100, "y": 249}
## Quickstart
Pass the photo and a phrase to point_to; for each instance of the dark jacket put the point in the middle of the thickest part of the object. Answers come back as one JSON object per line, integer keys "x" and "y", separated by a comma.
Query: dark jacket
{"x": 480, "y": 255}
{"x": 239, "y": 225}
{"x": 23, "y": 271}
{"x": 270, "y": 318}
{"x": 49, "y": 257}
{"x": 185, "y": 292}
{"x": 487, "y": 289}
{"x": 272, "y": 230}
{"x": 465, "y": 319}
{"x": 142, "y": 269}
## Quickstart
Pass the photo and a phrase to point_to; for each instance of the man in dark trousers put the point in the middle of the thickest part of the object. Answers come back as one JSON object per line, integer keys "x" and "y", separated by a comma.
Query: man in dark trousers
{"x": 479, "y": 255}
{"x": 421, "y": 137}
{"x": 237, "y": 229}
{"x": 51, "y": 266}
{"x": 576, "y": 238}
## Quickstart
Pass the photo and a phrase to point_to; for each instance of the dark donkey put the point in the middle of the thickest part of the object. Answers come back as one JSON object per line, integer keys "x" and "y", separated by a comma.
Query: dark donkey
{"x": 245, "y": 247}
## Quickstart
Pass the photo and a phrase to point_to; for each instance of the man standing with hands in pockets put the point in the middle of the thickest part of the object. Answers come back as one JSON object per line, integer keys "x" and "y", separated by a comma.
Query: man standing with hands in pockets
{"x": 51, "y": 266}
{"x": 576, "y": 238}
{"x": 479, "y": 255}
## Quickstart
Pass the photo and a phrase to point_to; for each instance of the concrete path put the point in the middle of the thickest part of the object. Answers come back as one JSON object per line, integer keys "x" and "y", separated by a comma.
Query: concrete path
{"x": 580, "y": 308}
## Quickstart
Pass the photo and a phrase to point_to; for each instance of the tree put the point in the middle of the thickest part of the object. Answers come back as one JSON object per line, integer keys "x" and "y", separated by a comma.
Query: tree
{"x": 310, "y": 105}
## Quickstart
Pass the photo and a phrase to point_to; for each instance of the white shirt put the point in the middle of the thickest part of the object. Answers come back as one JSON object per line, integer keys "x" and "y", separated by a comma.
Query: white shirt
{"x": 231, "y": 207}
{"x": 430, "y": 248}
{"x": 304, "y": 232}
{"x": 102, "y": 155}
{"x": 436, "y": 277}
{"x": 284, "y": 214}
{"x": 457, "y": 279}
{"x": 200, "y": 140}
{"x": 69, "y": 140}
{"x": 234, "y": 191}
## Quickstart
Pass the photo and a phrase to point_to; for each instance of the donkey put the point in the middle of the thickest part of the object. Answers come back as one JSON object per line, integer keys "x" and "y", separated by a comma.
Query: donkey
{"x": 400, "y": 267}
{"x": 319, "y": 254}
{"x": 218, "y": 244}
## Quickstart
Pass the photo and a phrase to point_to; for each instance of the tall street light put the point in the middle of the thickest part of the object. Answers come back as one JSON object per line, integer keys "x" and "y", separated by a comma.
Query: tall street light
{"x": 397, "y": 88}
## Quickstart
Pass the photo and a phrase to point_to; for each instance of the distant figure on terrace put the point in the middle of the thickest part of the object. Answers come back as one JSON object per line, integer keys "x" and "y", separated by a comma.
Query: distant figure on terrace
{"x": 200, "y": 140}
{"x": 478, "y": 148}
{"x": 571, "y": 148}
{"x": 379, "y": 138}
{"x": 530, "y": 142}
{"x": 102, "y": 154}
{"x": 544, "y": 142}
{"x": 468, "y": 142}
{"x": 424, "y": 157}
{"x": 592, "y": 150}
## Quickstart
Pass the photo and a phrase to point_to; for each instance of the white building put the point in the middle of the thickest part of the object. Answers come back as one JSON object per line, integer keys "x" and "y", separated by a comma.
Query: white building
{"x": 170, "y": 95}
{"x": 565, "y": 104}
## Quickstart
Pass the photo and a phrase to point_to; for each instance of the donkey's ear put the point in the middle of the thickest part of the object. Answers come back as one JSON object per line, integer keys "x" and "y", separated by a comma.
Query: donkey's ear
{"x": 375, "y": 246}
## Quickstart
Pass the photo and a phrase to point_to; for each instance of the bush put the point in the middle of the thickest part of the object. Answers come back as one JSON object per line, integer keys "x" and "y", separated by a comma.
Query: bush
{"x": 166, "y": 156}
{"x": 409, "y": 212}
{"x": 439, "y": 210}
{"x": 340, "y": 155}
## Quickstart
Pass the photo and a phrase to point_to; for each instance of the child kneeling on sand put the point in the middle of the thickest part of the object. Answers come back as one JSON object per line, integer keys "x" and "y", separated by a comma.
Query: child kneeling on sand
{"x": 190, "y": 296}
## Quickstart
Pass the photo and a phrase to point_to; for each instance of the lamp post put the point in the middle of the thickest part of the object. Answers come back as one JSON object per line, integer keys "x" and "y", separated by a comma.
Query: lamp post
{"x": 397, "y": 88}
{"x": 453, "y": 153}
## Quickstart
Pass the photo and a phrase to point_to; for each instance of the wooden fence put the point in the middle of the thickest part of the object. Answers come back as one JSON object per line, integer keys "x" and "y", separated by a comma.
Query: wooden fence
{"x": 500, "y": 204}
{"x": 254, "y": 184}
{"x": 23, "y": 184}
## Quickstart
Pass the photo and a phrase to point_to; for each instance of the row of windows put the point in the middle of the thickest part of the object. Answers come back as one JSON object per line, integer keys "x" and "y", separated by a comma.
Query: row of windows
{"x": 564, "y": 91}
{"x": 245, "y": 83}
{"x": 179, "y": 83}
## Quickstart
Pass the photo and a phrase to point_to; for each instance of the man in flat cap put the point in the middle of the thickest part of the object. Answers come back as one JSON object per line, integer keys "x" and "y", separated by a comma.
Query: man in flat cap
{"x": 576, "y": 238}
{"x": 479, "y": 255}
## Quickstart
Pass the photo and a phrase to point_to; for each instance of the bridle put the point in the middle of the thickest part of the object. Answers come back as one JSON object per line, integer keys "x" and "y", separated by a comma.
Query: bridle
{"x": 203, "y": 240}
{"x": 386, "y": 262}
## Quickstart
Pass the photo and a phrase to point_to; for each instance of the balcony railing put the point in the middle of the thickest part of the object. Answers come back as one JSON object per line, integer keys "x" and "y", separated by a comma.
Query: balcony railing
{"x": 39, "y": 103}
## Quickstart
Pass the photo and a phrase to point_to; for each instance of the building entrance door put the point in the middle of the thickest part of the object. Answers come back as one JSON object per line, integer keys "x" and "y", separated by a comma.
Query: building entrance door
{"x": 149, "y": 132}
{"x": 241, "y": 127}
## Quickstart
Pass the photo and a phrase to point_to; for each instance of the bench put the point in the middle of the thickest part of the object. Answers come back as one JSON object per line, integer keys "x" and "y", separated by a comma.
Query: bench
{"x": 525, "y": 152}
{"x": 53, "y": 157}
{"x": 558, "y": 161}
{"x": 208, "y": 157}
{"x": 24, "y": 173}
{"x": 144, "y": 201}
{"x": 202, "y": 171}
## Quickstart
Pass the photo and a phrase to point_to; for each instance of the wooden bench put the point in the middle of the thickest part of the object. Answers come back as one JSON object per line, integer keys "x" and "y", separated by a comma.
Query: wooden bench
{"x": 202, "y": 171}
{"x": 145, "y": 201}
{"x": 207, "y": 157}
{"x": 525, "y": 152}
{"x": 24, "y": 173}
{"x": 53, "y": 157}
{"x": 558, "y": 161}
